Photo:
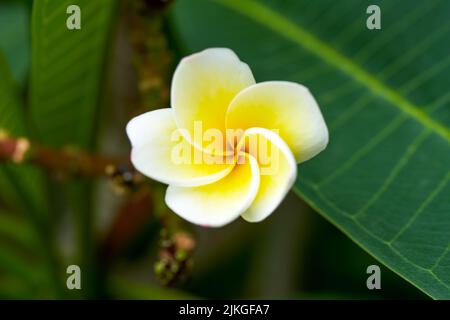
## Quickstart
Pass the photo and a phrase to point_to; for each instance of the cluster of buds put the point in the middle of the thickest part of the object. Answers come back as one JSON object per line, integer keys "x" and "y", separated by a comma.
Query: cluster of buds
{"x": 175, "y": 257}
{"x": 152, "y": 57}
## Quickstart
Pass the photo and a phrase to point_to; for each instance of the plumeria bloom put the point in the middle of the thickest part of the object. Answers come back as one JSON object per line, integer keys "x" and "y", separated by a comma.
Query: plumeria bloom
{"x": 225, "y": 177}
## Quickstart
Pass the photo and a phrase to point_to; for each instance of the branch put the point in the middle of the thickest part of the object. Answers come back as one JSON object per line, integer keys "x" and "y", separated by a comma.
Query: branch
{"x": 68, "y": 161}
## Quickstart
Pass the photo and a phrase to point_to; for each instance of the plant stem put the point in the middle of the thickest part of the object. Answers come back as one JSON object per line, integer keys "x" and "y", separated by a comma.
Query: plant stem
{"x": 66, "y": 161}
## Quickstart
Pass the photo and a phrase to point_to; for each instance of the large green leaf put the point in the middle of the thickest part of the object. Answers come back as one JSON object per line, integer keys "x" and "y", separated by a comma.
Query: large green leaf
{"x": 15, "y": 36}
{"x": 19, "y": 186}
{"x": 15, "y": 228}
{"x": 384, "y": 178}
{"x": 20, "y": 257}
{"x": 67, "y": 69}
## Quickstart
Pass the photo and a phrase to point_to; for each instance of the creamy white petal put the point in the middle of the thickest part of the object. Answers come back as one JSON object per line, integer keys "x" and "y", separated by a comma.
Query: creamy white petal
{"x": 218, "y": 203}
{"x": 286, "y": 106}
{"x": 161, "y": 153}
{"x": 203, "y": 86}
{"x": 277, "y": 167}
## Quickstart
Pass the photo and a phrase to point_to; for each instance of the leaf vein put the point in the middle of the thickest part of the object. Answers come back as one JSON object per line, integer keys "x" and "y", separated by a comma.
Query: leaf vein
{"x": 290, "y": 30}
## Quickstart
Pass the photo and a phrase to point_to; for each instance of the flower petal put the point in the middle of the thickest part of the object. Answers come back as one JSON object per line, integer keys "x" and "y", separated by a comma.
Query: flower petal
{"x": 277, "y": 167}
{"x": 221, "y": 202}
{"x": 203, "y": 86}
{"x": 161, "y": 153}
{"x": 285, "y": 106}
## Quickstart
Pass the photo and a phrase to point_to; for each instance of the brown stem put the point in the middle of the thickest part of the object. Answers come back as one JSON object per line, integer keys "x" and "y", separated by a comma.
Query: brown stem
{"x": 67, "y": 161}
{"x": 72, "y": 161}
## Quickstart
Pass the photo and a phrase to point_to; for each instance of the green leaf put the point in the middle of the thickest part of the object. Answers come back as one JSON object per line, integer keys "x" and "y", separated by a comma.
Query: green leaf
{"x": 13, "y": 288}
{"x": 122, "y": 288}
{"x": 20, "y": 186}
{"x": 67, "y": 70}
{"x": 16, "y": 228}
{"x": 384, "y": 178}
{"x": 21, "y": 267}
{"x": 15, "y": 37}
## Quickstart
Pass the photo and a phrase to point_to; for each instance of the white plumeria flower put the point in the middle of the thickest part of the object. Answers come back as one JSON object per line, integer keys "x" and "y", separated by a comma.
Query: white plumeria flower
{"x": 217, "y": 91}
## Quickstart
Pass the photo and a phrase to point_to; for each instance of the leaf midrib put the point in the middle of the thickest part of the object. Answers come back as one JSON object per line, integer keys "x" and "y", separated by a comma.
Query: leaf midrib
{"x": 294, "y": 32}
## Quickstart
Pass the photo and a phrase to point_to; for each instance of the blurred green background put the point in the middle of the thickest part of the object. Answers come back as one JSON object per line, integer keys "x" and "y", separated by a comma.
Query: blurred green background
{"x": 76, "y": 90}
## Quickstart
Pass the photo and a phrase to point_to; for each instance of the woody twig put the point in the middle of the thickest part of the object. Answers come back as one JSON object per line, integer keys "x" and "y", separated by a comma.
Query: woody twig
{"x": 67, "y": 161}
